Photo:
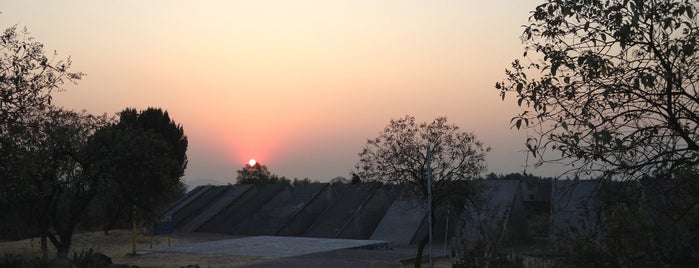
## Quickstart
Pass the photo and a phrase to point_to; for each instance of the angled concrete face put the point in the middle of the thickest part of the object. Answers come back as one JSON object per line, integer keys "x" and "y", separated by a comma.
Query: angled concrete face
{"x": 273, "y": 217}
{"x": 230, "y": 218}
{"x": 310, "y": 211}
{"x": 256, "y": 223}
{"x": 193, "y": 208}
{"x": 367, "y": 216}
{"x": 575, "y": 210}
{"x": 330, "y": 223}
{"x": 230, "y": 195}
{"x": 401, "y": 222}
{"x": 498, "y": 214}
{"x": 183, "y": 201}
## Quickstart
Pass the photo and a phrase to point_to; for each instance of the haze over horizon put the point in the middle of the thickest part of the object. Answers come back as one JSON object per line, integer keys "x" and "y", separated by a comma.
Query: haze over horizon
{"x": 297, "y": 85}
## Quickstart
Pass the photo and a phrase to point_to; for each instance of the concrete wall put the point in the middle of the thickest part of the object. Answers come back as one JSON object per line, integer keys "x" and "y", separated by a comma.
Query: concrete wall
{"x": 330, "y": 223}
{"x": 574, "y": 210}
{"x": 230, "y": 195}
{"x": 230, "y": 218}
{"x": 367, "y": 216}
{"x": 401, "y": 222}
{"x": 301, "y": 220}
{"x": 276, "y": 214}
{"x": 193, "y": 208}
{"x": 497, "y": 216}
{"x": 191, "y": 195}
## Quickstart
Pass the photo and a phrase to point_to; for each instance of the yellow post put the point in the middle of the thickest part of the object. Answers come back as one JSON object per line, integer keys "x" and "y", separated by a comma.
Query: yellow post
{"x": 133, "y": 229}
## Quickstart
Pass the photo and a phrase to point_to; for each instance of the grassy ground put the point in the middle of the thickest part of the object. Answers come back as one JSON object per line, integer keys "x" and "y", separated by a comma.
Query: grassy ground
{"x": 117, "y": 245}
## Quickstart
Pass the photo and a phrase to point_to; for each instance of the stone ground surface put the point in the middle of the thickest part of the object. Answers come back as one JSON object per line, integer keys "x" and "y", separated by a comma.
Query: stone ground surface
{"x": 271, "y": 246}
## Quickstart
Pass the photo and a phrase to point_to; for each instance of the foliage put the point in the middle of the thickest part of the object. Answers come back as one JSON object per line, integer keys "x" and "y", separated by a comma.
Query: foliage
{"x": 610, "y": 85}
{"x": 340, "y": 180}
{"x": 399, "y": 156}
{"x": 143, "y": 157}
{"x": 259, "y": 174}
{"x": 47, "y": 178}
{"x": 480, "y": 256}
{"x": 647, "y": 223}
{"x": 27, "y": 78}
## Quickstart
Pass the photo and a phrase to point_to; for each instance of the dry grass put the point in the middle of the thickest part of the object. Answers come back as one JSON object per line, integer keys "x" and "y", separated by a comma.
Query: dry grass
{"x": 117, "y": 245}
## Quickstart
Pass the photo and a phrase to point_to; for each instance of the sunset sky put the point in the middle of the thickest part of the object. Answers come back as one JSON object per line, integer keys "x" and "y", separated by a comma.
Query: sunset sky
{"x": 297, "y": 85}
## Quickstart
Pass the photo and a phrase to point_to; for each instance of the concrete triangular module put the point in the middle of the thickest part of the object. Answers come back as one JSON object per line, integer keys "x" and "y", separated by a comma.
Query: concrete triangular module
{"x": 574, "y": 210}
{"x": 184, "y": 200}
{"x": 228, "y": 220}
{"x": 274, "y": 216}
{"x": 336, "y": 217}
{"x": 229, "y": 196}
{"x": 497, "y": 215}
{"x": 190, "y": 210}
{"x": 305, "y": 213}
{"x": 401, "y": 222}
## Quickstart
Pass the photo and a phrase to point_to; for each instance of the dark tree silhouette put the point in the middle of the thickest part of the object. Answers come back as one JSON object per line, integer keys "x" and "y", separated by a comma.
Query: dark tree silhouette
{"x": 259, "y": 174}
{"x": 610, "y": 86}
{"x": 47, "y": 181}
{"x": 144, "y": 157}
{"x": 398, "y": 156}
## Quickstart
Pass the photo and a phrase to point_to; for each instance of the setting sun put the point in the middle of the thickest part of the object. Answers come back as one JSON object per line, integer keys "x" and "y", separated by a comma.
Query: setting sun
{"x": 252, "y": 162}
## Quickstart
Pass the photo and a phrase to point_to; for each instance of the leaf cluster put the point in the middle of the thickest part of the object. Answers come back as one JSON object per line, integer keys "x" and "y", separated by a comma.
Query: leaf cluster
{"x": 610, "y": 85}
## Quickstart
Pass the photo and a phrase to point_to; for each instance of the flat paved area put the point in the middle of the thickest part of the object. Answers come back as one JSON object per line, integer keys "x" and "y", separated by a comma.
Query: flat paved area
{"x": 272, "y": 246}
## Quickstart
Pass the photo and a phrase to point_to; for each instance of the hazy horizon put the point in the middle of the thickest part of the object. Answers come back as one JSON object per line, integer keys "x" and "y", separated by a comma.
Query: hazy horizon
{"x": 297, "y": 86}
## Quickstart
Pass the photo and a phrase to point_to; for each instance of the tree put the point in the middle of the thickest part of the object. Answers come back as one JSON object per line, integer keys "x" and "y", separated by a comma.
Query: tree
{"x": 52, "y": 181}
{"x": 27, "y": 78}
{"x": 610, "y": 85}
{"x": 44, "y": 173}
{"x": 399, "y": 156}
{"x": 144, "y": 157}
{"x": 259, "y": 174}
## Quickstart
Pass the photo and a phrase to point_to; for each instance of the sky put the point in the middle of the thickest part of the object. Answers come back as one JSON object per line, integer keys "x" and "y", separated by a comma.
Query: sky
{"x": 297, "y": 85}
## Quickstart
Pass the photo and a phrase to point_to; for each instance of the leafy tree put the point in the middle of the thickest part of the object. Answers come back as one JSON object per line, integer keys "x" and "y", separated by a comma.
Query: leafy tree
{"x": 52, "y": 181}
{"x": 144, "y": 157}
{"x": 340, "y": 180}
{"x": 47, "y": 180}
{"x": 259, "y": 174}
{"x": 27, "y": 78}
{"x": 399, "y": 156}
{"x": 610, "y": 85}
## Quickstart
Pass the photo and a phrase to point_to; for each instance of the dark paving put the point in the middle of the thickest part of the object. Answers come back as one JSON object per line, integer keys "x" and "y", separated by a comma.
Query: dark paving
{"x": 272, "y": 246}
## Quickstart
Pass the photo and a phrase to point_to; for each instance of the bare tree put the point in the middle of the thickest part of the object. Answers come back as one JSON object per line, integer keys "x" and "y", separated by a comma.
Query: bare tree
{"x": 399, "y": 156}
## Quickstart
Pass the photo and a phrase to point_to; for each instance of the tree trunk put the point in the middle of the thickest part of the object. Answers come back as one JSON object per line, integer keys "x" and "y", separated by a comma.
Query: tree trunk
{"x": 112, "y": 221}
{"x": 420, "y": 249}
{"x": 44, "y": 247}
{"x": 423, "y": 242}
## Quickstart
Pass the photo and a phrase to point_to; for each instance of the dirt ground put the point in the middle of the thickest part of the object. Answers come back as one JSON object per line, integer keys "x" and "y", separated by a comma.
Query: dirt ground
{"x": 117, "y": 245}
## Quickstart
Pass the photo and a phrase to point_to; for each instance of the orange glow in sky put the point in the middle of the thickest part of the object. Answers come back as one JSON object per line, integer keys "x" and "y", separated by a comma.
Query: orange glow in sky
{"x": 299, "y": 85}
